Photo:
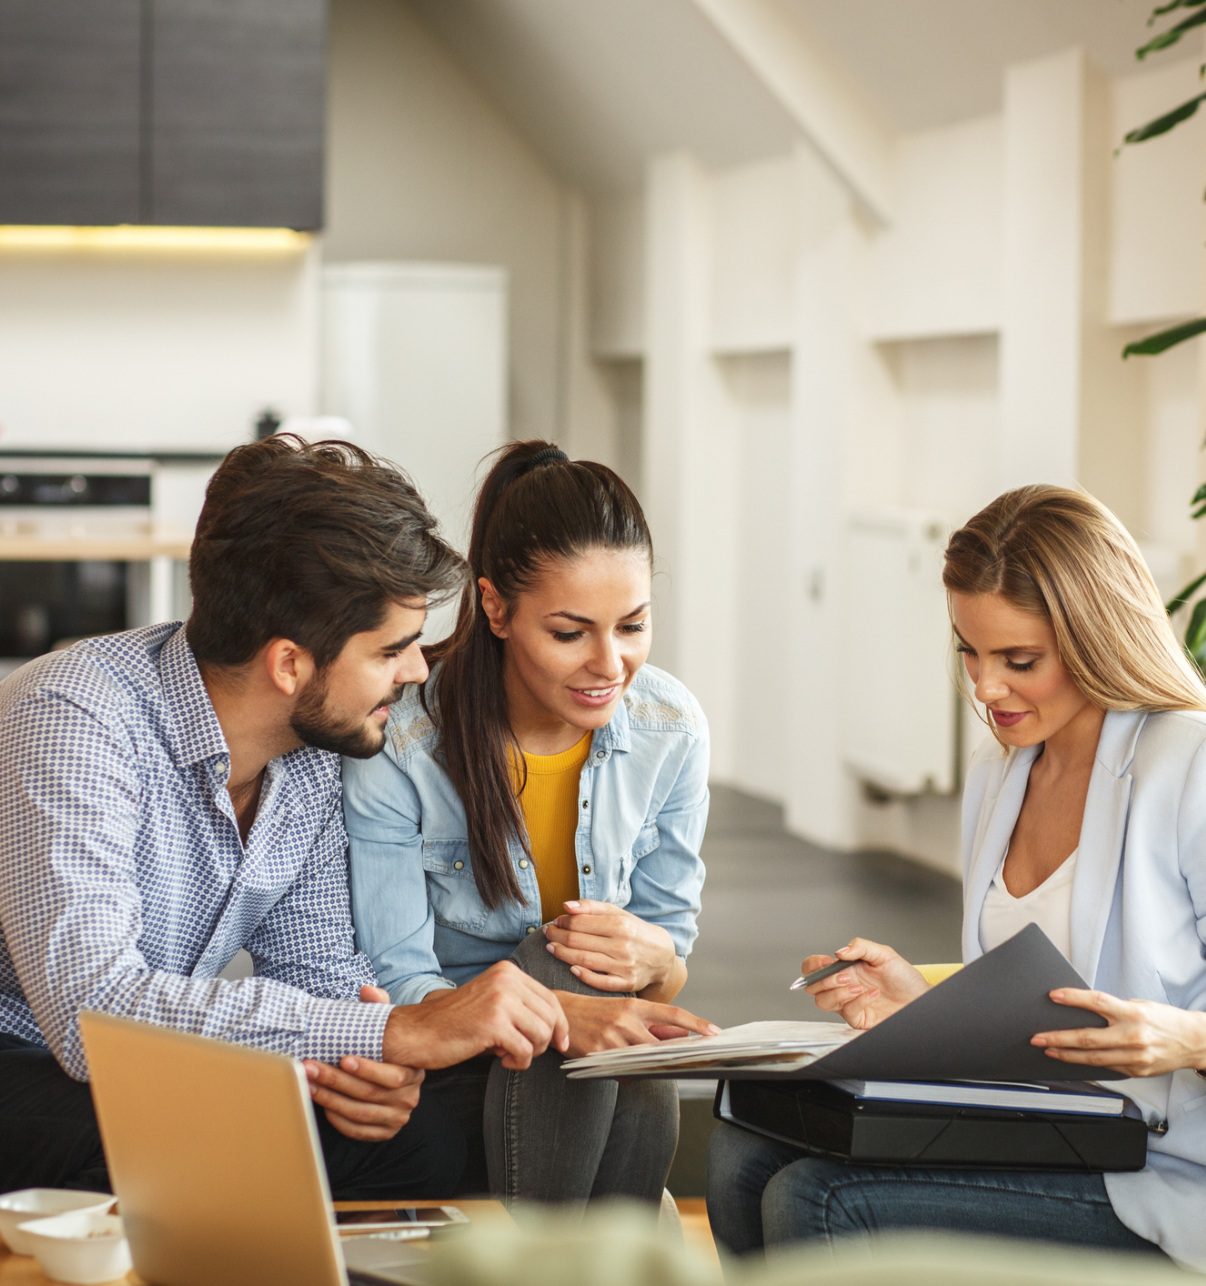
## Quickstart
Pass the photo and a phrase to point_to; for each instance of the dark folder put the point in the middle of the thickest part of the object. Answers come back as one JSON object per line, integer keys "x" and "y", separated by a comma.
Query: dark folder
{"x": 823, "y": 1120}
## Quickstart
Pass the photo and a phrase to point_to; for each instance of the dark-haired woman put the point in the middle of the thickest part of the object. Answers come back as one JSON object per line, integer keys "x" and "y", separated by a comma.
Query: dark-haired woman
{"x": 542, "y": 798}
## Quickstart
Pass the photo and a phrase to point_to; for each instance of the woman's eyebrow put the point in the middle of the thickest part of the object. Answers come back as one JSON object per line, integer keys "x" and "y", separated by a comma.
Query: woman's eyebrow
{"x": 585, "y": 620}
{"x": 1000, "y": 651}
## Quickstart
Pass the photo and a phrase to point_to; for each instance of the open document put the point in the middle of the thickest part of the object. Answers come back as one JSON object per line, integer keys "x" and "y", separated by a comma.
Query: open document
{"x": 975, "y": 1026}
{"x": 754, "y": 1047}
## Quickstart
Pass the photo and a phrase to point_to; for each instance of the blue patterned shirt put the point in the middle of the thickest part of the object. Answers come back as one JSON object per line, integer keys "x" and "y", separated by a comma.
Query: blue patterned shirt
{"x": 124, "y": 884}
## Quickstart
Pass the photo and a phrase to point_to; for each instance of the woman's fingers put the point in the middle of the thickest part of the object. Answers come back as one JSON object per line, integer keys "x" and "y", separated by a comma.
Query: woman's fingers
{"x": 1100, "y": 1002}
{"x": 597, "y": 960}
{"x": 616, "y": 982}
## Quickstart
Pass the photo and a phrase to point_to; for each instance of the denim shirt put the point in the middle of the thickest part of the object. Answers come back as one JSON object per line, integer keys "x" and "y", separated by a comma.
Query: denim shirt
{"x": 642, "y": 809}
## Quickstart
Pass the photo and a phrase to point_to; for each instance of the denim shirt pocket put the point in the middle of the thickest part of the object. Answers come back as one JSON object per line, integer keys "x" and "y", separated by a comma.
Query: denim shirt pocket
{"x": 646, "y": 841}
{"x": 451, "y": 888}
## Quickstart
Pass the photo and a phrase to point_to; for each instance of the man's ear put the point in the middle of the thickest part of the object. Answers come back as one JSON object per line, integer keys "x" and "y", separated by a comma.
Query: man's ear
{"x": 288, "y": 666}
{"x": 494, "y": 608}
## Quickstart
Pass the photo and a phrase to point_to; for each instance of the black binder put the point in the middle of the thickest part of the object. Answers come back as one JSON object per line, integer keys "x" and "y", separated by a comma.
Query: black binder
{"x": 821, "y": 1119}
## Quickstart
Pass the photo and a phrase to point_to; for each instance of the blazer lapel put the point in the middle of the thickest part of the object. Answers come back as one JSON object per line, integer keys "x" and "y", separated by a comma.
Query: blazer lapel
{"x": 1102, "y": 834}
{"x": 998, "y": 816}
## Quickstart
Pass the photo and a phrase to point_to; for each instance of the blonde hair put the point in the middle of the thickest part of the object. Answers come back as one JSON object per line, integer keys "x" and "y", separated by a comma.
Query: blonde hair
{"x": 1064, "y": 556}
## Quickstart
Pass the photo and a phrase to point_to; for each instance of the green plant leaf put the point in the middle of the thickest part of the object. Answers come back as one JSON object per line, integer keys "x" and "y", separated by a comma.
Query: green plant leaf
{"x": 1182, "y": 596}
{"x": 1173, "y": 4}
{"x": 1199, "y": 495}
{"x": 1162, "y": 124}
{"x": 1195, "y": 634}
{"x": 1172, "y": 35}
{"x": 1150, "y": 345}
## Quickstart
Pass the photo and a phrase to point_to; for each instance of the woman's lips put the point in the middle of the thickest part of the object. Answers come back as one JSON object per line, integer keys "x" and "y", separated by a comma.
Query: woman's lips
{"x": 1008, "y": 718}
{"x": 595, "y": 697}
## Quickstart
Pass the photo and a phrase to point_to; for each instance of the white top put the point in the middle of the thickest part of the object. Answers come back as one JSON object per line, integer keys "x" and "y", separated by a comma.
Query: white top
{"x": 1049, "y": 906}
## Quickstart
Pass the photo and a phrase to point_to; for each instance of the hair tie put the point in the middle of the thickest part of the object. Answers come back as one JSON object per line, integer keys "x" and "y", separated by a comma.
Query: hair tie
{"x": 547, "y": 455}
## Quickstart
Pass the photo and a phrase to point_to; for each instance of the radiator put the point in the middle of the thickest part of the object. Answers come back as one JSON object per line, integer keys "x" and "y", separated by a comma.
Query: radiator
{"x": 901, "y": 711}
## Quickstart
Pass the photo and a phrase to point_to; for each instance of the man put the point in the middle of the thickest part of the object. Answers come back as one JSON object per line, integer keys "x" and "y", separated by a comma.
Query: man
{"x": 171, "y": 794}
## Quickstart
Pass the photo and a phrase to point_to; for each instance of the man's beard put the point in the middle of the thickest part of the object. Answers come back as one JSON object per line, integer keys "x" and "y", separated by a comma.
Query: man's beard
{"x": 314, "y": 725}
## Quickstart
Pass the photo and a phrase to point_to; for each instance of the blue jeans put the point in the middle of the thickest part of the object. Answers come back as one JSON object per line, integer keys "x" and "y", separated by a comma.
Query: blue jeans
{"x": 763, "y": 1193}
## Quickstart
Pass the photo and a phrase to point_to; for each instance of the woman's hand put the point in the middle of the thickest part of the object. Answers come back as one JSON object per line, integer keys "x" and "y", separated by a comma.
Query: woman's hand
{"x": 610, "y": 1022}
{"x": 611, "y": 949}
{"x": 877, "y": 984}
{"x": 1144, "y": 1037}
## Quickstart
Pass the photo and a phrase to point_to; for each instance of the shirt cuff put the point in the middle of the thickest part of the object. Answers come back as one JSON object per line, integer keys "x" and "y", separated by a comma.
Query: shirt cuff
{"x": 413, "y": 989}
{"x": 339, "y": 1027}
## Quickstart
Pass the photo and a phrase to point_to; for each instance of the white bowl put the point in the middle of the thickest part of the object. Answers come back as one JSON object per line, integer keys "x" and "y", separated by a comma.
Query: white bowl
{"x": 83, "y": 1246}
{"x": 37, "y": 1203}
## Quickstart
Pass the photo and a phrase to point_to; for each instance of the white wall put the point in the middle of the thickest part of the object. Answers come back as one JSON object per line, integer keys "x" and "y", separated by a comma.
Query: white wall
{"x": 421, "y": 166}
{"x": 153, "y": 349}
{"x": 971, "y": 344}
{"x": 936, "y": 268}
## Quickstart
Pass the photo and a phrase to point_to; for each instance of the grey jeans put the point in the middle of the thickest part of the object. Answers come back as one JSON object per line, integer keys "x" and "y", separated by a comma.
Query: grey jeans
{"x": 538, "y": 1136}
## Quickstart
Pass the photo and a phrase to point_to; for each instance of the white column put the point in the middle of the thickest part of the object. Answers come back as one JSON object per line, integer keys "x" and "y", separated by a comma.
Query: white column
{"x": 822, "y": 800}
{"x": 687, "y": 462}
{"x": 1043, "y": 269}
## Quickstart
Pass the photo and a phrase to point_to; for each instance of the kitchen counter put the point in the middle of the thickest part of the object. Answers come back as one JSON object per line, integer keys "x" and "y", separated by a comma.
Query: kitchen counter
{"x": 116, "y": 547}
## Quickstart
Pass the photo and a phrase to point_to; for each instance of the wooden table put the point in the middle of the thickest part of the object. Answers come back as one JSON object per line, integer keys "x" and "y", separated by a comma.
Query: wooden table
{"x": 23, "y": 1270}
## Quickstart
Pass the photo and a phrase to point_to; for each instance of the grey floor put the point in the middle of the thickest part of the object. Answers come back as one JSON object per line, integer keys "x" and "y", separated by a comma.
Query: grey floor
{"x": 769, "y": 900}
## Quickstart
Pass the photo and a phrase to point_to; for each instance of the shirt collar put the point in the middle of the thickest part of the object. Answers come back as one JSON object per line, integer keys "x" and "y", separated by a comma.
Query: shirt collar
{"x": 615, "y": 734}
{"x": 196, "y": 734}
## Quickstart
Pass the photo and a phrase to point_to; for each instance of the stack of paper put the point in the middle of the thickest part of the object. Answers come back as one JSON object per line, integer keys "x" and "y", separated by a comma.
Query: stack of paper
{"x": 1080, "y": 1098}
{"x": 764, "y": 1046}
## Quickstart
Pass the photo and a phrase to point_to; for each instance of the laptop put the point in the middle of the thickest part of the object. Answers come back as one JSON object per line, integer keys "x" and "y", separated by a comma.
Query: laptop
{"x": 214, "y": 1156}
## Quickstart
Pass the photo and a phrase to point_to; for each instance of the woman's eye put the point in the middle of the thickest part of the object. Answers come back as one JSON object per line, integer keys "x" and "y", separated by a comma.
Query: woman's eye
{"x": 567, "y": 636}
{"x": 1021, "y": 666}
{"x": 964, "y": 650}
{"x": 635, "y": 627}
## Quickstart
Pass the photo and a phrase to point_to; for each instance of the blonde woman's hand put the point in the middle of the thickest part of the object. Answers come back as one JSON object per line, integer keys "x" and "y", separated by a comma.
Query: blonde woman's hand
{"x": 1143, "y": 1038}
{"x": 878, "y": 982}
{"x": 611, "y": 949}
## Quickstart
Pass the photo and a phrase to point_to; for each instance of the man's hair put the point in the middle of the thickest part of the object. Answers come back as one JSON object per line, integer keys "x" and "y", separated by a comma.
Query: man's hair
{"x": 310, "y": 542}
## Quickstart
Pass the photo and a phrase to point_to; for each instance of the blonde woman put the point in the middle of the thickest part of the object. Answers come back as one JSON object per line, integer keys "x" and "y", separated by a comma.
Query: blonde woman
{"x": 1087, "y": 816}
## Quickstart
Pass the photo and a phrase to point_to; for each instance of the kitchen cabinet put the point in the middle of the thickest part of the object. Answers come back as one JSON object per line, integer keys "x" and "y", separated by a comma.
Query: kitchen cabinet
{"x": 237, "y": 93}
{"x": 176, "y": 112}
{"x": 70, "y": 111}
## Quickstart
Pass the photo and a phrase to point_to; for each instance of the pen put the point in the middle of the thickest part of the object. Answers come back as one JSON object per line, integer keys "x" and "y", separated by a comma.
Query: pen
{"x": 825, "y": 971}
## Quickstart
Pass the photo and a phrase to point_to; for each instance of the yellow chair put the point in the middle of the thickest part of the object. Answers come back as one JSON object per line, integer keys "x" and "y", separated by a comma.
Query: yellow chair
{"x": 936, "y": 973}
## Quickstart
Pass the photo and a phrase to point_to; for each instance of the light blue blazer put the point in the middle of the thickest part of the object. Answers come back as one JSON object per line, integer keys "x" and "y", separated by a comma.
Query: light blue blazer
{"x": 1138, "y": 925}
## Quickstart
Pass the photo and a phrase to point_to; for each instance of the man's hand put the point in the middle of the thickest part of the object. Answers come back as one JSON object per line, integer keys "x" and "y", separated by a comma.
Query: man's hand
{"x": 611, "y": 949}
{"x": 877, "y": 984}
{"x": 607, "y": 1022}
{"x": 362, "y": 1098}
{"x": 501, "y": 1010}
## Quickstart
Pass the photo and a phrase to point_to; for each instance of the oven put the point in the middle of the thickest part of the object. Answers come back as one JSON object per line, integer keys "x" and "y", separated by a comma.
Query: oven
{"x": 83, "y": 550}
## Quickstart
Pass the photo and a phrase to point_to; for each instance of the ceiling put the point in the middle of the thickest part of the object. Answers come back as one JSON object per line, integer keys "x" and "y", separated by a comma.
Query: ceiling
{"x": 925, "y": 63}
{"x": 597, "y": 86}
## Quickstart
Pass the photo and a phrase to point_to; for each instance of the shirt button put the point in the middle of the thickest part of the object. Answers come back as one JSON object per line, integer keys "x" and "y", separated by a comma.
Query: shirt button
{"x": 458, "y": 865}
{"x": 222, "y": 765}
{"x": 586, "y": 870}
{"x": 586, "y": 803}
{"x": 600, "y": 754}
{"x": 531, "y": 928}
{"x": 524, "y": 863}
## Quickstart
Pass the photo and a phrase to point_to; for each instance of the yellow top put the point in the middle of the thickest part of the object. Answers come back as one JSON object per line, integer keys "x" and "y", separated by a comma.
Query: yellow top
{"x": 550, "y": 812}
